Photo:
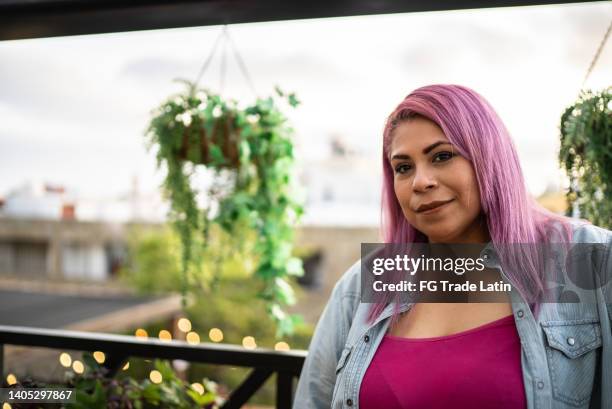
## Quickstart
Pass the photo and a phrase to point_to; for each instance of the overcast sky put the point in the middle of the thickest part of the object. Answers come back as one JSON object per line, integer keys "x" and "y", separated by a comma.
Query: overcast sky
{"x": 73, "y": 109}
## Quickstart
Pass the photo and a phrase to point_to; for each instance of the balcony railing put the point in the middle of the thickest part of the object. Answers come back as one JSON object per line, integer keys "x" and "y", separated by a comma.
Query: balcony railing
{"x": 119, "y": 348}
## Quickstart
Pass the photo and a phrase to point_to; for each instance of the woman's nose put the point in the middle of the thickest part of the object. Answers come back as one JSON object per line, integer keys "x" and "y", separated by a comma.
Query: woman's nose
{"x": 424, "y": 180}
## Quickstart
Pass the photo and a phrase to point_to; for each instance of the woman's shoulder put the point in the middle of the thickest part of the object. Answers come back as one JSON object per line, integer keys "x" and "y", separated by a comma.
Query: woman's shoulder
{"x": 584, "y": 232}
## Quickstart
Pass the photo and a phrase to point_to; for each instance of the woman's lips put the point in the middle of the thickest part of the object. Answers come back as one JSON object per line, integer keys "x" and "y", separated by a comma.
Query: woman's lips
{"x": 437, "y": 208}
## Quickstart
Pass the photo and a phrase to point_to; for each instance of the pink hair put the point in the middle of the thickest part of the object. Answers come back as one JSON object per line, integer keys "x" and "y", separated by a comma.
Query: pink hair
{"x": 478, "y": 134}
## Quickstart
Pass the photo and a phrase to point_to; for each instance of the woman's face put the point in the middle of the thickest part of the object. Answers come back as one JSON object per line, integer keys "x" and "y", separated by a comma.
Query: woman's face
{"x": 435, "y": 186}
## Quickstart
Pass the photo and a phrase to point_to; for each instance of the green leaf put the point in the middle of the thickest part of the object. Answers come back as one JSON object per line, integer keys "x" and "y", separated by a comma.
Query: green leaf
{"x": 284, "y": 291}
{"x": 295, "y": 267}
{"x": 293, "y": 101}
{"x": 164, "y": 368}
{"x": 151, "y": 393}
{"x": 95, "y": 400}
{"x": 90, "y": 362}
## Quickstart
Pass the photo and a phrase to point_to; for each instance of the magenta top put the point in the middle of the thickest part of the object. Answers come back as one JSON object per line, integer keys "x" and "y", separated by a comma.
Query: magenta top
{"x": 477, "y": 368}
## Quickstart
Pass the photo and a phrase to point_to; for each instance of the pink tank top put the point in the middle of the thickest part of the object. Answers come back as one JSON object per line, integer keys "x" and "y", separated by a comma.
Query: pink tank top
{"x": 477, "y": 368}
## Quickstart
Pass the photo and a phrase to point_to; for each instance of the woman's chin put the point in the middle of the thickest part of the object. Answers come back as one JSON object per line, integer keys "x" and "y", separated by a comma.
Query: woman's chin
{"x": 442, "y": 234}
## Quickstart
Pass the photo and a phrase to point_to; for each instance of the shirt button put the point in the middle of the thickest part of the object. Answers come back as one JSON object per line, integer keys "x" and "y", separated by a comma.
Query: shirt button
{"x": 349, "y": 402}
{"x": 571, "y": 341}
{"x": 366, "y": 338}
{"x": 540, "y": 385}
{"x": 520, "y": 313}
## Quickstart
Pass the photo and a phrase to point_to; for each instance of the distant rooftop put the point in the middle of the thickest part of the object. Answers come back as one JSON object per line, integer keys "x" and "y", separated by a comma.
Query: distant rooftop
{"x": 82, "y": 312}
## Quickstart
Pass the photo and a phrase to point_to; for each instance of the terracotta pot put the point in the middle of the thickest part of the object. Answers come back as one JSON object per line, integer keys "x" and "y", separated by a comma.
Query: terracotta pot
{"x": 223, "y": 135}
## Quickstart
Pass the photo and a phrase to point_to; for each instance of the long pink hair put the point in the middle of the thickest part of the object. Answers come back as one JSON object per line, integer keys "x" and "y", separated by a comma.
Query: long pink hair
{"x": 478, "y": 134}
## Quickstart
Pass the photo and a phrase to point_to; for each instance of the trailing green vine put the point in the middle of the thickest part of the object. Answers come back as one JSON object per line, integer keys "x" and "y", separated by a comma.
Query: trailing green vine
{"x": 252, "y": 194}
{"x": 586, "y": 154}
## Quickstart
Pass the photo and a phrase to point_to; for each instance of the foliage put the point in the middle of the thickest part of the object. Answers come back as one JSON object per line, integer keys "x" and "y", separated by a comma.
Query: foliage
{"x": 94, "y": 390}
{"x": 233, "y": 307}
{"x": 586, "y": 154}
{"x": 248, "y": 153}
{"x": 154, "y": 265}
{"x": 237, "y": 314}
{"x": 154, "y": 261}
{"x": 233, "y": 310}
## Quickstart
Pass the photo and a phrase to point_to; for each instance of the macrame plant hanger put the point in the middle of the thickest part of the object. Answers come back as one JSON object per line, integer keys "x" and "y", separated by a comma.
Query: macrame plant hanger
{"x": 225, "y": 40}
{"x": 597, "y": 54}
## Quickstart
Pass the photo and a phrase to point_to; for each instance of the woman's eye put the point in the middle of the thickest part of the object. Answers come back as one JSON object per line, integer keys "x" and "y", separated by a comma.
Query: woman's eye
{"x": 402, "y": 168}
{"x": 442, "y": 156}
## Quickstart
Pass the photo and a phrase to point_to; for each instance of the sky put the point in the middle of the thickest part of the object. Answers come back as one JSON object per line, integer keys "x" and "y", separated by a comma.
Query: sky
{"x": 73, "y": 109}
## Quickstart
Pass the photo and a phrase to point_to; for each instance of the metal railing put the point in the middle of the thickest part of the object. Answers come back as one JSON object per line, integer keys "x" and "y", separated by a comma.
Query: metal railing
{"x": 119, "y": 348}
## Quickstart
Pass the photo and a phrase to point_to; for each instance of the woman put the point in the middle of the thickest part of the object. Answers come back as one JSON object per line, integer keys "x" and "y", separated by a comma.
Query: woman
{"x": 452, "y": 175}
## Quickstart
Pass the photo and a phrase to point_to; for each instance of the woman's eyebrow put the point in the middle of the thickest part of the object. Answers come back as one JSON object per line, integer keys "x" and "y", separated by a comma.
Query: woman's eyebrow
{"x": 434, "y": 145}
{"x": 425, "y": 151}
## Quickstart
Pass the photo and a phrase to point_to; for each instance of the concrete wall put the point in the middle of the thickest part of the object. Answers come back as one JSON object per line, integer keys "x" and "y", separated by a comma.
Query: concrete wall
{"x": 56, "y": 249}
{"x": 341, "y": 247}
{"x": 60, "y": 250}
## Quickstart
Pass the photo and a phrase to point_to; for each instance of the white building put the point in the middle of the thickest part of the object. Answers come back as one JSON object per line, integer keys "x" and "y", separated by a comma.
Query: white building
{"x": 342, "y": 189}
{"x": 72, "y": 250}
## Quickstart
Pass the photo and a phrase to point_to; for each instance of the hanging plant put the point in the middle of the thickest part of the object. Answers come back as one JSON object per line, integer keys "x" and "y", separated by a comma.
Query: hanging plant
{"x": 586, "y": 154}
{"x": 250, "y": 154}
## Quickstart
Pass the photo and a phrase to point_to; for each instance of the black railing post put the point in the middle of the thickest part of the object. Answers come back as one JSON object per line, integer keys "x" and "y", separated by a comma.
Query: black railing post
{"x": 113, "y": 363}
{"x": 251, "y": 384}
{"x": 284, "y": 389}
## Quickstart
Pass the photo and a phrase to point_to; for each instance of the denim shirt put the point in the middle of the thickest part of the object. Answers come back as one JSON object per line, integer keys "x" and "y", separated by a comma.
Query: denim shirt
{"x": 566, "y": 352}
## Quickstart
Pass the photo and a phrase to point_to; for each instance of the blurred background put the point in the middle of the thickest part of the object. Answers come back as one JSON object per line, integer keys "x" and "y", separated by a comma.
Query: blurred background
{"x": 83, "y": 239}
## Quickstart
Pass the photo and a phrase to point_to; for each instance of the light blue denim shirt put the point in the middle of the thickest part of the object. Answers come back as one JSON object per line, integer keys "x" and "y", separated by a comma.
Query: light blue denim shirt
{"x": 566, "y": 354}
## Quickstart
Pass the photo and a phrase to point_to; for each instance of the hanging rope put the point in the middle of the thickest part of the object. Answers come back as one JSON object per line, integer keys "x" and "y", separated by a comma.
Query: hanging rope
{"x": 597, "y": 54}
{"x": 223, "y": 39}
{"x": 241, "y": 64}
{"x": 209, "y": 58}
{"x": 223, "y": 70}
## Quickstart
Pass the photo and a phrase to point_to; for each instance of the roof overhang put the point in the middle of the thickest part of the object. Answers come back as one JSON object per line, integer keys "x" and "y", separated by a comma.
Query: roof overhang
{"x": 21, "y": 19}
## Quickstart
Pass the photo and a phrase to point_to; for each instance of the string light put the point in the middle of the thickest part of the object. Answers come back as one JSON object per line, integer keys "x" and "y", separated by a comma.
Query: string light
{"x": 155, "y": 376}
{"x": 165, "y": 335}
{"x": 11, "y": 379}
{"x": 126, "y": 366}
{"x": 78, "y": 367}
{"x": 184, "y": 325}
{"x": 281, "y": 346}
{"x": 99, "y": 357}
{"x": 65, "y": 360}
{"x": 141, "y": 333}
{"x": 215, "y": 335}
{"x": 249, "y": 342}
{"x": 193, "y": 338}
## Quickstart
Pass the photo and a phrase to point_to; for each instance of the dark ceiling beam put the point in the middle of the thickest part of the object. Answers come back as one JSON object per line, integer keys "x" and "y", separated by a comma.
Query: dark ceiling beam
{"x": 21, "y": 19}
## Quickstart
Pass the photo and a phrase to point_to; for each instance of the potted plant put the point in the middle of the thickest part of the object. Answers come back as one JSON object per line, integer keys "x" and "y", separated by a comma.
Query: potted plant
{"x": 586, "y": 155}
{"x": 249, "y": 154}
